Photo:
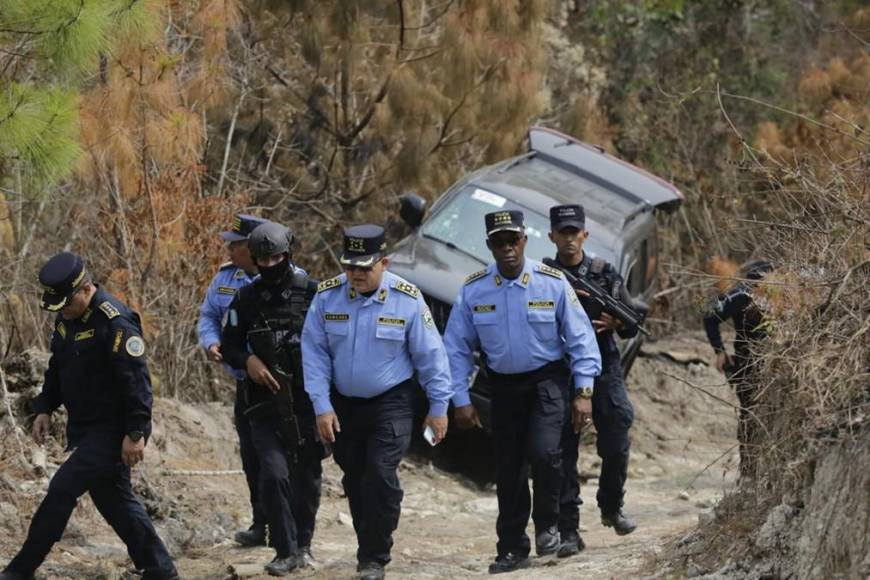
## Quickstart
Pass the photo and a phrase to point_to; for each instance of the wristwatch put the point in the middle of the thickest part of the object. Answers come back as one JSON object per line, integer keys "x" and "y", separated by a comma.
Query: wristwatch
{"x": 583, "y": 393}
{"x": 135, "y": 436}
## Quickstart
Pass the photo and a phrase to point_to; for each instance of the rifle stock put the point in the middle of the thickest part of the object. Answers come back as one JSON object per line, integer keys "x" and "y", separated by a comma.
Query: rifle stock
{"x": 608, "y": 304}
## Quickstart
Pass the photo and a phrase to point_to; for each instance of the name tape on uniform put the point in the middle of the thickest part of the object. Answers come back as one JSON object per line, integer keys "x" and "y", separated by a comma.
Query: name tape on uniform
{"x": 336, "y": 317}
{"x": 85, "y": 334}
{"x": 387, "y": 321}
{"x": 484, "y": 308}
{"x": 542, "y": 305}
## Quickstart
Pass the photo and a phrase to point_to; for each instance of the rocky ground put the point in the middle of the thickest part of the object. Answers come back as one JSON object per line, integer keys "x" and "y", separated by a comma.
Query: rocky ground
{"x": 683, "y": 461}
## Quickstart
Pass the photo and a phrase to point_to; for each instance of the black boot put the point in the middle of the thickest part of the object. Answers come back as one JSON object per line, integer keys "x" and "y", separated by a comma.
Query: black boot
{"x": 572, "y": 544}
{"x": 620, "y": 524}
{"x": 281, "y": 566}
{"x": 370, "y": 571}
{"x": 251, "y": 537}
{"x": 508, "y": 563}
{"x": 547, "y": 541}
{"x": 304, "y": 558}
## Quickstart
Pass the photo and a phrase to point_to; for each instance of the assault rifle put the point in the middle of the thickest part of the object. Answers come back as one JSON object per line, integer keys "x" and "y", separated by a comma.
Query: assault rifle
{"x": 630, "y": 315}
{"x": 262, "y": 341}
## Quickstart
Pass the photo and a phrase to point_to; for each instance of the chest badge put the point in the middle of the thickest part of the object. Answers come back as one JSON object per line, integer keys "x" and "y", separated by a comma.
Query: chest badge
{"x": 84, "y": 335}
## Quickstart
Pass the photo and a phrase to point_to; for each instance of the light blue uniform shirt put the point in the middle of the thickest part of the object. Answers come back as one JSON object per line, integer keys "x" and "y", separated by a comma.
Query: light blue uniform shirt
{"x": 213, "y": 312}
{"x": 368, "y": 345}
{"x": 521, "y": 325}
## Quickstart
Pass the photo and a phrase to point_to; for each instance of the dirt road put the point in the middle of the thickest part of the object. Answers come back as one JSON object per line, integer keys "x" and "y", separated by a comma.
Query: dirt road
{"x": 447, "y": 528}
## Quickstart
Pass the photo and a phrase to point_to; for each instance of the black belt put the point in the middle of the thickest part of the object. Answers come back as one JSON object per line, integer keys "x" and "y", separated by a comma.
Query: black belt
{"x": 556, "y": 366}
{"x": 409, "y": 383}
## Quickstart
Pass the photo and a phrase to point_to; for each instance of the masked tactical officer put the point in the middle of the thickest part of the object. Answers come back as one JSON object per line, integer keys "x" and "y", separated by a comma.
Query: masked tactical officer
{"x": 368, "y": 330}
{"x": 98, "y": 372}
{"x": 612, "y": 412}
{"x": 524, "y": 318}
{"x": 238, "y": 272}
{"x": 262, "y": 335}
{"x": 738, "y": 305}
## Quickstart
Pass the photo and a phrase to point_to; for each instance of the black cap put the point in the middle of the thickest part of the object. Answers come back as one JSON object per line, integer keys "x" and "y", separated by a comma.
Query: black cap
{"x": 243, "y": 225}
{"x": 563, "y": 216}
{"x": 363, "y": 245}
{"x": 504, "y": 221}
{"x": 60, "y": 277}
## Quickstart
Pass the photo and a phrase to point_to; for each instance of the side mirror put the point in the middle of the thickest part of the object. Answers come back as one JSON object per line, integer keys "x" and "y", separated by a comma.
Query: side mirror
{"x": 412, "y": 208}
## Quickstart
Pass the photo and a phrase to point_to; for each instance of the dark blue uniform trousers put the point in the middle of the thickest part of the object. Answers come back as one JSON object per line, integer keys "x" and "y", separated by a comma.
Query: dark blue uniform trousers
{"x": 527, "y": 415}
{"x": 289, "y": 492}
{"x": 250, "y": 464}
{"x": 95, "y": 467}
{"x": 612, "y": 415}
{"x": 375, "y": 434}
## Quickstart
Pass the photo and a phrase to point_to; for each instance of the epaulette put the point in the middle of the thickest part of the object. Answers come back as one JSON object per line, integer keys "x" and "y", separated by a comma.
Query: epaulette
{"x": 407, "y": 288}
{"x": 476, "y": 276}
{"x": 109, "y": 310}
{"x": 226, "y": 265}
{"x": 554, "y": 272}
{"x": 329, "y": 284}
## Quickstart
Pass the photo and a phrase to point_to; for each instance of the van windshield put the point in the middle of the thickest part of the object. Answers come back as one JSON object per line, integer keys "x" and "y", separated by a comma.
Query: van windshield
{"x": 460, "y": 223}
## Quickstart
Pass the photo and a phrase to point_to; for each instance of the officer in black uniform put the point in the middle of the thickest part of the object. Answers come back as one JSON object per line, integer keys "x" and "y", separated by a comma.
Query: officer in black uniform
{"x": 738, "y": 305}
{"x": 99, "y": 373}
{"x": 612, "y": 413}
{"x": 290, "y": 471}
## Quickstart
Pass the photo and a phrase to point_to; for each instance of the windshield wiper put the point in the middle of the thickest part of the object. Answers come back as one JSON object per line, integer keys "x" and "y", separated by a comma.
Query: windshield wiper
{"x": 453, "y": 246}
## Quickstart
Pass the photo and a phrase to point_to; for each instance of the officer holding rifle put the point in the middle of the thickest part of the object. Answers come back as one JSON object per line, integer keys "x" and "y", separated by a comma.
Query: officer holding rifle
{"x": 263, "y": 336}
{"x": 610, "y": 308}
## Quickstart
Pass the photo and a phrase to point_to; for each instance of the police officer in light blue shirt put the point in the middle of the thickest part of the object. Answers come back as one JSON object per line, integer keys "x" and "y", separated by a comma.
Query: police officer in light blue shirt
{"x": 235, "y": 274}
{"x": 366, "y": 333}
{"x": 525, "y": 319}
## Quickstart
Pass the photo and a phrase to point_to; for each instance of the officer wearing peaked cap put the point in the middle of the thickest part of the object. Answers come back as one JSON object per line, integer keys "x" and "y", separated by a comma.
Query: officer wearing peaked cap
{"x": 237, "y": 273}
{"x": 98, "y": 372}
{"x": 612, "y": 412}
{"x": 366, "y": 333}
{"x": 525, "y": 318}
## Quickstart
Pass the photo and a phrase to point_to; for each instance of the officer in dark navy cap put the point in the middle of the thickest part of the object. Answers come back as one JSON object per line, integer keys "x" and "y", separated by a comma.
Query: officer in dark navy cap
{"x": 612, "y": 412}
{"x": 237, "y": 273}
{"x": 527, "y": 321}
{"x": 99, "y": 373}
{"x": 367, "y": 332}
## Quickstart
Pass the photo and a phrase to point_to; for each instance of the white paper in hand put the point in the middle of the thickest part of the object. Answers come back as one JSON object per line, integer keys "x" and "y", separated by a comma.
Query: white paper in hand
{"x": 429, "y": 436}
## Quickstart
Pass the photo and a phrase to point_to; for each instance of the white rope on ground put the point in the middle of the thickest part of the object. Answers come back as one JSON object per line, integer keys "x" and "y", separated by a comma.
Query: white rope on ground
{"x": 206, "y": 472}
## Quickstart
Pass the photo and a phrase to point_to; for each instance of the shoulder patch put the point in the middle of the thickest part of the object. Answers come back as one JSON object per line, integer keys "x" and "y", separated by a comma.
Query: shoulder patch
{"x": 545, "y": 269}
{"x": 407, "y": 288}
{"x": 329, "y": 284}
{"x": 476, "y": 276}
{"x": 135, "y": 346}
{"x": 239, "y": 274}
{"x": 109, "y": 310}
